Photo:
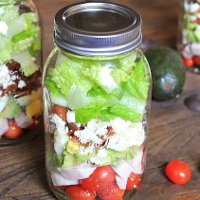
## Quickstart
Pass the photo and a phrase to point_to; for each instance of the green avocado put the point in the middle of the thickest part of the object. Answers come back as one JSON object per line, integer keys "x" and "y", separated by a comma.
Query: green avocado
{"x": 168, "y": 73}
{"x": 11, "y": 110}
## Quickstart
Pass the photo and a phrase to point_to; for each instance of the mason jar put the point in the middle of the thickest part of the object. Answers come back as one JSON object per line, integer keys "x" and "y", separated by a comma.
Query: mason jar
{"x": 96, "y": 90}
{"x": 189, "y": 34}
{"x": 20, "y": 76}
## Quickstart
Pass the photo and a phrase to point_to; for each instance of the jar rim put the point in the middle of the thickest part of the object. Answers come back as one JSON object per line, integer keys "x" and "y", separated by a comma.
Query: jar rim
{"x": 101, "y": 36}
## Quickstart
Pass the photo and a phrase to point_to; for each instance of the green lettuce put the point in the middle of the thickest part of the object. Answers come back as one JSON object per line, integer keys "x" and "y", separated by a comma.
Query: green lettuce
{"x": 138, "y": 84}
{"x": 92, "y": 111}
{"x": 68, "y": 74}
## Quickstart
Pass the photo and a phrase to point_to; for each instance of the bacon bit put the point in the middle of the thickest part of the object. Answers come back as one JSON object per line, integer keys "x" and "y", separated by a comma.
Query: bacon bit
{"x": 13, "y": 65}
{"x": 110, "y": 131}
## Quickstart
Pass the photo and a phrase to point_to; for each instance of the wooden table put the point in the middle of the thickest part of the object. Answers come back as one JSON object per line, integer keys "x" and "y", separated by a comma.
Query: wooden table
{"x": 174, "y": 129}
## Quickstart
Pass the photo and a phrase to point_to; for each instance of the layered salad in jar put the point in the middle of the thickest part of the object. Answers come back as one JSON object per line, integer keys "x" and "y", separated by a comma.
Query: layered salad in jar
{"x": 20, "y": 77}
{"x": 96, "y": 125}
{"x": 190, "y": 47}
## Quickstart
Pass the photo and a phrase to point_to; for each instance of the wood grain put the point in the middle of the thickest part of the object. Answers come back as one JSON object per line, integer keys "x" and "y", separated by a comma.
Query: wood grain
{"x": 174, "y": 129}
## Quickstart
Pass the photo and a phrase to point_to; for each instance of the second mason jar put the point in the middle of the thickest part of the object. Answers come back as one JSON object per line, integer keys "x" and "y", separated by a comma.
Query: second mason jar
{"x": 96, "y": 89}
{"x": 20, "y": 76}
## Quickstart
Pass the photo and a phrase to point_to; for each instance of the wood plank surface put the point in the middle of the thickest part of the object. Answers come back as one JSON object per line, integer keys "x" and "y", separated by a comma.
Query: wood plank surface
{"x": 174, "y": 129}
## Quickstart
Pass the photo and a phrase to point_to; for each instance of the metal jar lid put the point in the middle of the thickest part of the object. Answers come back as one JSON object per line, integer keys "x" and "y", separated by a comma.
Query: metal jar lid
{"x": 97, "y": 28}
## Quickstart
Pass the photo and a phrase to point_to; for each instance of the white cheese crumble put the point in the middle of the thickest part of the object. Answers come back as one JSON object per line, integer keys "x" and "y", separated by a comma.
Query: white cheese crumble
{"x": 106, "y": 79}
{"x": 127, "y": 134}
{"x": 21, "y": 84}
{"x": 92, "y": 132}
{"x": 61, "y": 138}
{"x": 193, "y": 7}
{"x": 5, "y": 77}
{"x": 3, "y": 102}
{"x": 3, "y": 28}
{"x": 71, "y": 116}
{"x": 60, "y": 124}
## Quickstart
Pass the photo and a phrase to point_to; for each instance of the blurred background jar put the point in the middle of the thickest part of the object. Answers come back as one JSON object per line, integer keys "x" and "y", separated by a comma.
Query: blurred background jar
{"x": 97, "y": 91}
{"x": 20, "y": 76}
{"x": 189, "y": 34}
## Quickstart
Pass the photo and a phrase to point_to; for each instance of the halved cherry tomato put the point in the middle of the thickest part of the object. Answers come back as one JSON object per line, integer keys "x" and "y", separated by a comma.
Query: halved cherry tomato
{"x": 133, "y": 181}
{"x": 61, "y": 111}
{"x": 14, "y": 131}
{"x": 77, "y": 193}
{"x": 112, "y": 192}
{"x": 178, "y": 172}
{"x": 188, "y": 62}
{"x": 196, "y": 60}
{"x": 99, "y": 179}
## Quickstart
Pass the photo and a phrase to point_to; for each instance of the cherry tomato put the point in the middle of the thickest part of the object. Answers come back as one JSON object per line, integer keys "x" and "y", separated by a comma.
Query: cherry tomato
{"x": 112, "y": 192}
{"x": 133, "y": 181}
{"x": 178, "y": 172}
{"x": 77, "y": 193}
{"x": 99, "y": 179}
{"x": 61, "y": 111}
{"x": 188, "y": 62}
{"x": 196, "y": 60}
{"x": 14, "y": 131}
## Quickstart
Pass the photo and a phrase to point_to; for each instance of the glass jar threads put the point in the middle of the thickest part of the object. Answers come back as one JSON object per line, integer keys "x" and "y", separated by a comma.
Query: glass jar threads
{"x": 20, "y": 77}
{"x": 96, "y": 100}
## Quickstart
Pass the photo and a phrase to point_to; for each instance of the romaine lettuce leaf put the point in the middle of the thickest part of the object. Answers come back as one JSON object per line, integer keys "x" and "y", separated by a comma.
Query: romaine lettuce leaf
{"x": 92, "y": 111}
{"x": 68, "y": 74}
{"x": 138, "y": 84}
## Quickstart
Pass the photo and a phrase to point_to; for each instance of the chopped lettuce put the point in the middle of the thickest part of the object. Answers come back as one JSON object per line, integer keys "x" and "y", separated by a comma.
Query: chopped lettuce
{"x": 125, "y": 112}
{"x": 92, "y": 111}
{"x": 68, "y": 74}
{"x": 28, "y": 67}
{"x": 138, "y": 84}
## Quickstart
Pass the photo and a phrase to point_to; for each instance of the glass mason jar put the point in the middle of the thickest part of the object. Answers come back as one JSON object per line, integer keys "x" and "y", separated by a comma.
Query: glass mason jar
{"x": 189, "y": 34}
{"x": 20, "y": 76}
{"x": 96, "y": 90}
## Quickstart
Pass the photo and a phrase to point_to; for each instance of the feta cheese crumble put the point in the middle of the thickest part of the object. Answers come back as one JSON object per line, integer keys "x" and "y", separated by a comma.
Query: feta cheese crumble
{"x": 21, "y": 84}
{"x": 127, "y": 134}
{"x": 71, "y": 116}
{"x": 92, "y": 132}
{"x": 106, "y": 79}
{"x": 5, "y": 77}
{"x": 3, "y": 28}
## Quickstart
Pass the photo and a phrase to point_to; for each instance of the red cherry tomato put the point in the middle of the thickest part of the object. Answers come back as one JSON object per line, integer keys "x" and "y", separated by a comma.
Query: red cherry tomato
{"x": 178, "y": 172}
{"x": 99, "y": 179}
{"x": 61, "y": 111}
{"x": 133, "y": 181}
{"x": 77, "y": 193}
{"x": 112, "y": 192}
{"x": 14, "y": 131}
{"x": 196, "y": 60}
{"x": 188, "y": 62}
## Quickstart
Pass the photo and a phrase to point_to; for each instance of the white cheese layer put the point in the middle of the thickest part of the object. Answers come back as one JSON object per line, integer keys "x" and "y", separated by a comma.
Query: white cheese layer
{"x": 92, "y": 132}
{"x": 127, "y": 134}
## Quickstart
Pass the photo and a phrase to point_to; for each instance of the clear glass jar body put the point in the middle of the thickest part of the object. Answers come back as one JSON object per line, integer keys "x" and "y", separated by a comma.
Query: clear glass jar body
{"x": 95, "y": 113}
{"x": 189, "y": 34}
{"x": 20, "y": 76}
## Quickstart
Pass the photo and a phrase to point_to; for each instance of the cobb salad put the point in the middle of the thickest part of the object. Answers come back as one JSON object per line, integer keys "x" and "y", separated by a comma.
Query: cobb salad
{"x": 190, "y": 48}
{"x": 20, "y": 82}
{"x": 96, "y": 123}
